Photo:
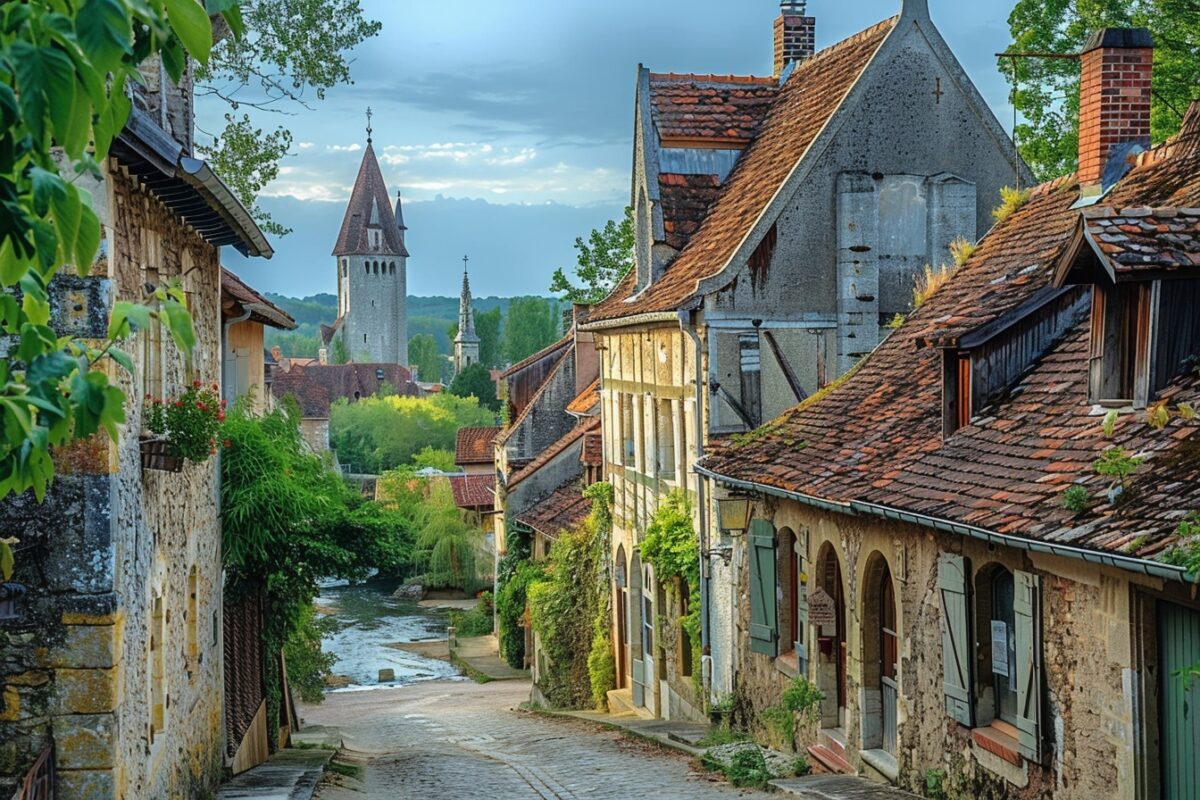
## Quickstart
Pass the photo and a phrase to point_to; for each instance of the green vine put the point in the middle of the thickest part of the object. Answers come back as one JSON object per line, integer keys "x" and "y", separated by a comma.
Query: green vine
{"x": 672, "y": 547}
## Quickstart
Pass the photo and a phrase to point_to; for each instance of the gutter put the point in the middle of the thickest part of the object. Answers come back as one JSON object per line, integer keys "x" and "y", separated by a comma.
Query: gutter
{"x": 686, "y": 326}
{"x": 1139, "y": 566}
{"x": 200, "y": 176}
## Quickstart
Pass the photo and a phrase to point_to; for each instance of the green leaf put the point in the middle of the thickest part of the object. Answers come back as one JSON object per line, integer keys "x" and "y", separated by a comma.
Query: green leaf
{"x": 87, "y": 242}
{"x": 122, "y": 358}
{"x": 7, "y": 561}
{"x": 103, "y": 30}
{"x": 66, "y": 211}
{"x": 124, "y": 312}
{"x": 178, "y": 321}
{"x": 192, "y": 26}
{"x": 48, "y": 188}
{"x": 46, "y": 82}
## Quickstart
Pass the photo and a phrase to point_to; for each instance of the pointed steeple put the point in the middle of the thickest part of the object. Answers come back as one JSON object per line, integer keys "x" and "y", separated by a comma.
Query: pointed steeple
{"x": 466, "y": 315}
{"x": 400, "y": 226}
{"x": 370, "y": 208}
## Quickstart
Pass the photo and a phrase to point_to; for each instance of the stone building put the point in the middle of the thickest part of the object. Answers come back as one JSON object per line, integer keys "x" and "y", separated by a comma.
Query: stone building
{"x": 116, "y": 653}
{"x": 780, "y": 222}
{"x": 372, "y": 272}
{"x": 935, "y": 544}
{"x": 466, "y": 341}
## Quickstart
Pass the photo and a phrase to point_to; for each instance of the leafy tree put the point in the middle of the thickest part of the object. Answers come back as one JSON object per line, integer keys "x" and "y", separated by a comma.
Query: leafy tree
{"x": 533, "y": 323}
{"x": 448, "y": 543}
{"x": 1047, "y": 90}
{"x": 441, "y": 460}
{"x": 423, "y": 354}
{"x": 289, "y": 520}
{"x": 487, "y": 328}
{"x": 64, "y": 71}
{"x": 604, "y": 259}
{"x": 379, "y": 434}
{"x": 476, "y": 381}
{"x": 294, "y": 52}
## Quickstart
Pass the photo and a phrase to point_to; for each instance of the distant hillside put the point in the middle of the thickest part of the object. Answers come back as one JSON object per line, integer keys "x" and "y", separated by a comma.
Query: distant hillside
{"x": 431, "y": 315}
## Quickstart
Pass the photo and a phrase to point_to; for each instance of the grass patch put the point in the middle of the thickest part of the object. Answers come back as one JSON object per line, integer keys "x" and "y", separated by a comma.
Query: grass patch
{"x": 1011, "y": 201}
{"x": 720, "y": 736}
{"x": 346, "y": 770}
{"x": 747, "y": 768}
{"x": 468, "y": 670}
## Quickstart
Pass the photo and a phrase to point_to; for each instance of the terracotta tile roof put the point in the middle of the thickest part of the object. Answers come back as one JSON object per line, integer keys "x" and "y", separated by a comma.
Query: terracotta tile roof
{"x": 686, "y": 200}
{"x": 808, "y": 100}
{"x": 713, "y": 108}
{"x": 474, "y": 445}
{"x": 317, "y": 386}
{"x": 538, "y": 356}
{"x": 550, "y": 453}
{"x": 566, "y": 508}
{"x": 473, "y": 491}
{"x": 587, "y": 401}
{"x": 369, "y": 205}
{"x": 237, "y": 295}
{"x": 593, "y": 449}
{"x": 1146, "y": 239}
{"x": 876, "y": 437}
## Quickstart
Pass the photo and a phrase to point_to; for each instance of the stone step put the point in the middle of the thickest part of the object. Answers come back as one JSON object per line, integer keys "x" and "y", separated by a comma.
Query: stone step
{"x": 831, "y": 760}
{"x": 620, "y": 701}
{"x": 835, "y": 740}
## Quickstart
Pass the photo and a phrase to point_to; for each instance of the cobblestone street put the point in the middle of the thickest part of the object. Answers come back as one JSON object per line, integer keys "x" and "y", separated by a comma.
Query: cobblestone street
{"x": 446, "y": 741}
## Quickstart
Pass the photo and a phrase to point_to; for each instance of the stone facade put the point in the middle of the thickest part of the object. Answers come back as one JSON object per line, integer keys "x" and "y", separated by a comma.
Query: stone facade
{"x": 1097, "y": 648}
{"x": 119, "y": 654}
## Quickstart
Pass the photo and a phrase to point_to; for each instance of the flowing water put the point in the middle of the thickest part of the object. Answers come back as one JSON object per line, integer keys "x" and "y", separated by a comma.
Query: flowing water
{"x": 368, "y": 620}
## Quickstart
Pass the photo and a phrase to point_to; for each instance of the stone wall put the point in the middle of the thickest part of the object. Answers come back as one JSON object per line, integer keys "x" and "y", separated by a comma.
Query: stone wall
{"x": 1095, "y": 653}
{"x": 109, "y": 539}
{"x": 375, "y": 328}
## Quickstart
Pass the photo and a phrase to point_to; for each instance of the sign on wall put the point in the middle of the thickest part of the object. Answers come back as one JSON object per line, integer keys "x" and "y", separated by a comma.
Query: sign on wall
{"x": 822, "y": 610}
{"x": 999, "y": 648}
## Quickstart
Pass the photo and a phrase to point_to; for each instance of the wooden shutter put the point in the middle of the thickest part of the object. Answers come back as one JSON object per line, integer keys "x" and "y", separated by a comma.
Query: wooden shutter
{"x": 1027, "y": 607}
{"x": 954, "y": 589}
{"x": 764, "y": 626}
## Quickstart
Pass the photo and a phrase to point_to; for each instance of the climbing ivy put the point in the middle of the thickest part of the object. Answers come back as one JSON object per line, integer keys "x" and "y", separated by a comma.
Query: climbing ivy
{"x": 672, "y": 547}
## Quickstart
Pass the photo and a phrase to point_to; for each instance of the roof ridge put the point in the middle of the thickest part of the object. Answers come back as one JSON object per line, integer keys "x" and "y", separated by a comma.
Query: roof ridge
{"x": 697, "y": 77}
{"x": 538, "y": 356}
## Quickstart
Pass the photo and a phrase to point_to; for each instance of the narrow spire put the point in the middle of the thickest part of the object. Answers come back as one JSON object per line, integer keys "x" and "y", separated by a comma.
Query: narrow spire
{"x": 370, "y": 114}
{"x": 466, "y": 315}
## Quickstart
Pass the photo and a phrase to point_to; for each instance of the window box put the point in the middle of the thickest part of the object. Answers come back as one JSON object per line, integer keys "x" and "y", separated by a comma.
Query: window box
{"x": 159, "y": 454}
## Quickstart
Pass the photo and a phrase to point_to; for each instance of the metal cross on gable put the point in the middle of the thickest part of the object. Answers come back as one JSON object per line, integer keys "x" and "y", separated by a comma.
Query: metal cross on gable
{"x": 465, "y": 261}
{"x": 937, "y": 92}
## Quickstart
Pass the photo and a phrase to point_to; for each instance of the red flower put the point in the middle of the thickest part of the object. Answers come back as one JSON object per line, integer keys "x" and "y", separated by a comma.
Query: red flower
{"x": 220, "y": 416}
{"x": 179, "y": 404}
{"x": 199, "y": 405}
{"x": 227, "y": 443}
{"x": 216, "y": 388}
{"x": 196, "y": 384}
{"x": 223, "y": 404}
{"x": 149, "y": 397}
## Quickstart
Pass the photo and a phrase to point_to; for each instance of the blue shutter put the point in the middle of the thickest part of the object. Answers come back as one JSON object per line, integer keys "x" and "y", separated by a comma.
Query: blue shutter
{"x": 956, "y": 637}
{"x": 764, "y": 625}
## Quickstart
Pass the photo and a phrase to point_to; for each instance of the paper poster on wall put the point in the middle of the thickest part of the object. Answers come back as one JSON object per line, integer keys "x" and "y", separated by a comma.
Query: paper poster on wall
{"x": 999, "y": 648}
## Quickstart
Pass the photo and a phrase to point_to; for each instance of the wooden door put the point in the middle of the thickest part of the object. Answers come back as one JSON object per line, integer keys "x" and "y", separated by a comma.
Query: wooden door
{"x": 1179, "y": 638}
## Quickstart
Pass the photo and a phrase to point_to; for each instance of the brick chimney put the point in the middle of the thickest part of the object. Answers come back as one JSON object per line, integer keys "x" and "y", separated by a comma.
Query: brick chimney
{"x": 795, "y": 35}
{"x": 1114, "y": 96}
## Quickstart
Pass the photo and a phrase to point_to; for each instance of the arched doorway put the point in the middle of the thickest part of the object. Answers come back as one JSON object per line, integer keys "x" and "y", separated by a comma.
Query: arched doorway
{"x": 621, "y": 611}
{"x": 880, "y": 654}
{"x": 831, "y": 636}
{"x": 637, "y": 680}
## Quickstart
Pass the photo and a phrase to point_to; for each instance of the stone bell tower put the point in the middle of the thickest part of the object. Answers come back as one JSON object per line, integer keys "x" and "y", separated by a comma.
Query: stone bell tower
{"x": 466, "y": 343}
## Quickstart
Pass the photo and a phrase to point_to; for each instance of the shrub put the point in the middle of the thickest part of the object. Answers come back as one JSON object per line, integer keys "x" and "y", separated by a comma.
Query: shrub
{"x": 1075, "y": 499}
{"x": 602, "y": 668}
{"x": 801, "y": 766}
{"x": 477, "y": 621}
{"x": 746, "y": 767}
{"x": 307, "y": 664}
{"x": 510, "y": 607}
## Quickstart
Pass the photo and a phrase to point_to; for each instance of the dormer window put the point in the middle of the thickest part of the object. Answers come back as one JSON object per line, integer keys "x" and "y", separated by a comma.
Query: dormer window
{"x": 1144, "y": 268}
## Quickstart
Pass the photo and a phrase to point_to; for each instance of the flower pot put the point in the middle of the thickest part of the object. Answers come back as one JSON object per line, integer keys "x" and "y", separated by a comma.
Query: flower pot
{"x": 158, "y": 454}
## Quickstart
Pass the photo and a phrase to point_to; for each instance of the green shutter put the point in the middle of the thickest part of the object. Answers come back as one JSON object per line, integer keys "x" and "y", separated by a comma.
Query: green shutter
{"x": 1179, "y": 640}
{"x": 764, "y": 626}
{"x": 954, "y": 589}
{"x": 1027, "y": 606}
{"x": 802, "y": 627}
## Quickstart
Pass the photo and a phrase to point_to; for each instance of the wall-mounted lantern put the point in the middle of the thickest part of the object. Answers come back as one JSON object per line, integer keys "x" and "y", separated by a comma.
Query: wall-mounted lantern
{"x": 733, "y": 515}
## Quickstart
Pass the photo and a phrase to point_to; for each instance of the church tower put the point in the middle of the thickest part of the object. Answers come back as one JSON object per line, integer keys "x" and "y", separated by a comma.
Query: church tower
{"x": 466, "y": 343}
{"x": 372, "y": 264}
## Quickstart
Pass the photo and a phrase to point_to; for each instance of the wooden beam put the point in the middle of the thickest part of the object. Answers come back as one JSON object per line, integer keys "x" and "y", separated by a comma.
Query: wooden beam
{"x": 788, "y": 372}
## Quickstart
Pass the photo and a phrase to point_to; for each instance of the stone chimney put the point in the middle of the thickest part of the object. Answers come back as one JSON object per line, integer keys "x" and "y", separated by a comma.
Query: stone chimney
{"x": 323, "y": 356}
{"x": 795, "y": 35}
{"x": 1114, "y": 97}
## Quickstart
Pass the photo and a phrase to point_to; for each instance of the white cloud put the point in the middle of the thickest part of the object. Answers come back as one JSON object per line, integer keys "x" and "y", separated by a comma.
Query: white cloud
{"x": 344, "y": 148}
{"x": 306, "y": 146}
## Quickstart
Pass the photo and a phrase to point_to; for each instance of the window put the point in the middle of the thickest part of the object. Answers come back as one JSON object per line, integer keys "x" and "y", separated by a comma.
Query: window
{"x": 664, "y": 422}
{"x": 787, "y": 590}
{"x": 992, "y": 652}
{"x": 1120, "y": 357}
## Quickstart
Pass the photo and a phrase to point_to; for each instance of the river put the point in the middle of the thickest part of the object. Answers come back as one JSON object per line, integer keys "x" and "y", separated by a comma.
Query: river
{"x": 369, "y": 620}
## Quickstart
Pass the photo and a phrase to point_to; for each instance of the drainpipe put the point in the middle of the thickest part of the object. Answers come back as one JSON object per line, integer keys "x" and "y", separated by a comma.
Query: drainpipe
{"x": 689, "y": 329}
{"x": 248, "y": 311}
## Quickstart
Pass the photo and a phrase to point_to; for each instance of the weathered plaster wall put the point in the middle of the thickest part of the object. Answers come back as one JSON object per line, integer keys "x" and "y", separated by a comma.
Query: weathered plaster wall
{"x": 1090, "y": 661}
{"x": 109, "y": 539}
{"x": 547, "y": 420}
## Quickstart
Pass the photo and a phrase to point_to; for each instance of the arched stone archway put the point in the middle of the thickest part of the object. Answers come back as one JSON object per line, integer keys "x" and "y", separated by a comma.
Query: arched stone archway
{"x": 831, "y": 637}
{"x": 880, "y": 656}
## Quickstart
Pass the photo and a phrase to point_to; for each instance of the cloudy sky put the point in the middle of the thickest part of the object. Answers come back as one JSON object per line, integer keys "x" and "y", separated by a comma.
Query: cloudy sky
{"x": 508, "y": 125}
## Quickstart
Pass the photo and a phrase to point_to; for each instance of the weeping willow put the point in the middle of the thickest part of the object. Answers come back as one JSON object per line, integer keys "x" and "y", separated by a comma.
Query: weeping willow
{"x": 449, "y": 543}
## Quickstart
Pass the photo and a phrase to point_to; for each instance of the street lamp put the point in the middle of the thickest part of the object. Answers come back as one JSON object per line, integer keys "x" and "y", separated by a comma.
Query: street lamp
{"x": 733, "y": 515}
